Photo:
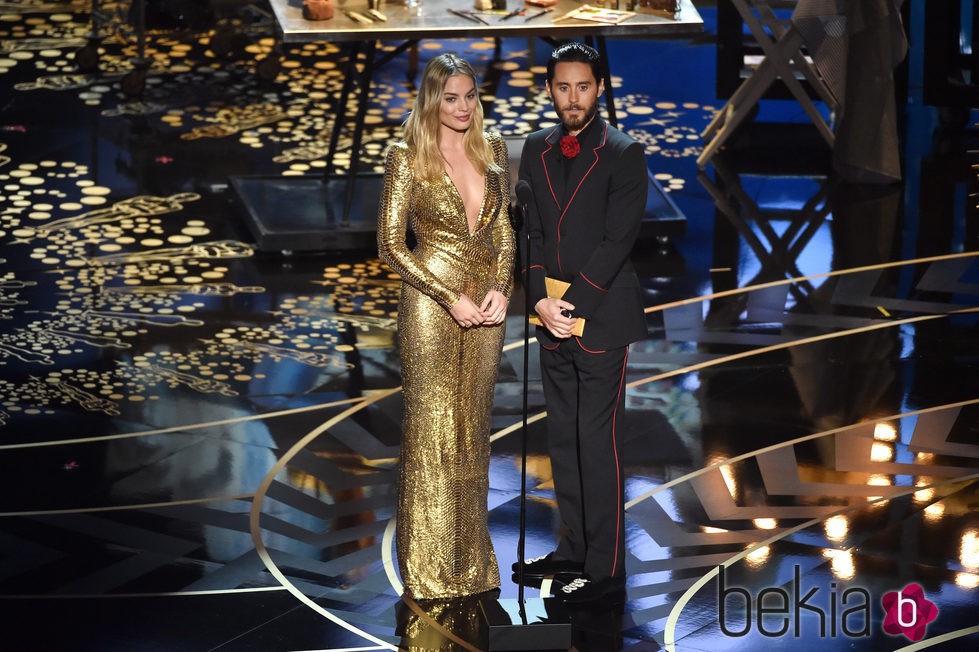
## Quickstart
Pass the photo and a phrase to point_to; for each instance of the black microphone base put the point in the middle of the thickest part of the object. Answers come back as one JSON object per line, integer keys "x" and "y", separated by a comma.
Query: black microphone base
{"x": 543, "y": 625}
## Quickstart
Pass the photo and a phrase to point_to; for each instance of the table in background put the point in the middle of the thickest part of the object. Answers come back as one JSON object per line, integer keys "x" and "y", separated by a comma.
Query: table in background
{"x": 281, "y": 209}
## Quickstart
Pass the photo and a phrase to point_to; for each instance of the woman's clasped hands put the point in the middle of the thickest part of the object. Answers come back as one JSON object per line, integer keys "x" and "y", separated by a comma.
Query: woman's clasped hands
{"x": 492, "y": 312}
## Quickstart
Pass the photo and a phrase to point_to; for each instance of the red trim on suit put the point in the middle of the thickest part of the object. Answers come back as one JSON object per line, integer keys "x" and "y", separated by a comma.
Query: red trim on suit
{"x": 588, "y": 280}
{"x": 585, "y": 349}
{"x": 550, "y": 186}
{"x": 618, "y": 470}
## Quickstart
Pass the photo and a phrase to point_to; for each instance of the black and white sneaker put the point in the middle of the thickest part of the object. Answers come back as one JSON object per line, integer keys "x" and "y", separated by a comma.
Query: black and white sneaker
{"x": 541, "y": 567}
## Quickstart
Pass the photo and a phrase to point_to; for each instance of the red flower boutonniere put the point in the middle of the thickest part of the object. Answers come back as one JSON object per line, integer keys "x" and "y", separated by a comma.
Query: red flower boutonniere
{"x": 570, "y": 146}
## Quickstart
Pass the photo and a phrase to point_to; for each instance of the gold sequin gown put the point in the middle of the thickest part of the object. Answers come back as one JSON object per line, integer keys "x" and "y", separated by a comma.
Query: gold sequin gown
{"x": 448, "y": 372}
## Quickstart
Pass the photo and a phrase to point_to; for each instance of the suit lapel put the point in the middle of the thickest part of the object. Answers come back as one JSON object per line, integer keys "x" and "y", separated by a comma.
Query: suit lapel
{"x": 553, "y": 170}
{"x": 565, "y": 188}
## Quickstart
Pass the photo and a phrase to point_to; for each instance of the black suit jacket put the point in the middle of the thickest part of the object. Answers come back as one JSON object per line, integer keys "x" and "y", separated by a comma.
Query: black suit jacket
{"x": 583, "y": 223}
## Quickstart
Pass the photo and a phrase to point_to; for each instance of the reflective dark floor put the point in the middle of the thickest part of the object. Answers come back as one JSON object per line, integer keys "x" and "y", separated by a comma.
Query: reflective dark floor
{"x": 199, "y": 435}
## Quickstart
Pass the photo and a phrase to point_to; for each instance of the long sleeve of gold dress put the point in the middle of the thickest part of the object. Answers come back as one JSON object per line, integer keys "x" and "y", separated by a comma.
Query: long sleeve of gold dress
{"x": 448, "y": 372}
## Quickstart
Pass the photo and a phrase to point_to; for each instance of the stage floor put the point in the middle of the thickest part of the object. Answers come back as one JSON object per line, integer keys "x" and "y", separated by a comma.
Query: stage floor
{"x": 199, "y": 436}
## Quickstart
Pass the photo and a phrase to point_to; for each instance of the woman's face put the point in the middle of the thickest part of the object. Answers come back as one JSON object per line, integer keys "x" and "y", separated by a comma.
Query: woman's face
{"x": 459, "y": 100}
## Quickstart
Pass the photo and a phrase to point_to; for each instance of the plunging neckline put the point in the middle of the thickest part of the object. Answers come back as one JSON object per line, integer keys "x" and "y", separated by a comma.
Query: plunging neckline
{"x": 470, "y": 228}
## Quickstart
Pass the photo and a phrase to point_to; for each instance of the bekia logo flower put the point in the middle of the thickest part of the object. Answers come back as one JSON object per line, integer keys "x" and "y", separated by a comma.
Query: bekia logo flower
{"x": 908, "y": 612}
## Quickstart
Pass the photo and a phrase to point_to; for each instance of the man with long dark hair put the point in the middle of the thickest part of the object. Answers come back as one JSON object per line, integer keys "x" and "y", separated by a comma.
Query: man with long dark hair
{"x": 589, "y": 183}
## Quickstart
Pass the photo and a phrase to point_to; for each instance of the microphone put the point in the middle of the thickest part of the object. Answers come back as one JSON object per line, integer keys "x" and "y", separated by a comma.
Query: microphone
{"x": 525, "y": 195}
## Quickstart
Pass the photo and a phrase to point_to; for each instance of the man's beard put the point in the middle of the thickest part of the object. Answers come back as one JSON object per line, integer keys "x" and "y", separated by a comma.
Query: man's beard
{"x": 578, "y": 124}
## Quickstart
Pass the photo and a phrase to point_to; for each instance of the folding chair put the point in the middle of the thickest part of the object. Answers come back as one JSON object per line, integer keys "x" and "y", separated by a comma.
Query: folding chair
{"x": 784, "y": 58}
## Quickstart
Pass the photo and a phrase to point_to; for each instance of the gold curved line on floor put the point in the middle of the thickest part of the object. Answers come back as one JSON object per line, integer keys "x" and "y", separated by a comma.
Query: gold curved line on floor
{"x": 254, "y": 516}
{"x": 800, "y": 342}
{"x": 775, "y": 347}
{"x": 516, "y": 344}
{"x": 119, "y": 508}
{"x": 669, "y": 634}
{"x": 165, "y": 594}
{"x": 937, "y": 640}
{"x": 387, "y": 556}
{"x": 746, "y": 354}
{"x": 503, "y": 432}
{"x": 790, "y": 442}
{"x": 811, "y": 277}
{"x": 191, "y": 426}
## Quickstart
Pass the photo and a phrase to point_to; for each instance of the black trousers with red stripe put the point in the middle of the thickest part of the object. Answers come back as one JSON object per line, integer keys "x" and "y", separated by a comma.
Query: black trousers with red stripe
{"x": 585, "y": 396}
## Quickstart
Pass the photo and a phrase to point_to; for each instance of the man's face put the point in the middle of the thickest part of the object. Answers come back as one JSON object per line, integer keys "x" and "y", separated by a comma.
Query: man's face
{"x": 575, "y": 92}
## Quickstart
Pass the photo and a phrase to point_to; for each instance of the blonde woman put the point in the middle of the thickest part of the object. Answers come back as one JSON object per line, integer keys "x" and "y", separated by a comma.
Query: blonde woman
{"x": 448, "y": 183}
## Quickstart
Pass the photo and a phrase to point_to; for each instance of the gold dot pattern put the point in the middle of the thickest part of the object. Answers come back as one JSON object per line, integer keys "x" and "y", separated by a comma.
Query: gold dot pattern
{"x": 107, "y": 271}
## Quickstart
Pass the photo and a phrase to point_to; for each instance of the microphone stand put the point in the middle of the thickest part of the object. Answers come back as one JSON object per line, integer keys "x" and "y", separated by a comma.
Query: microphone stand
{"x": 549, "y": 627}
{"x": 521, "y": 539}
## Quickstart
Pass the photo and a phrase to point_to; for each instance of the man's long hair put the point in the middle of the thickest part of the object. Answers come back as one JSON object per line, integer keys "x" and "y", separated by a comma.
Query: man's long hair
{"x": 421, "y": 129}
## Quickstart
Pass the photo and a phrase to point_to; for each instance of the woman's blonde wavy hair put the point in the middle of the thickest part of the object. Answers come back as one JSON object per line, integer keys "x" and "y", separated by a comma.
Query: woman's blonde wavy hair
{"x": 421, "y": 129}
